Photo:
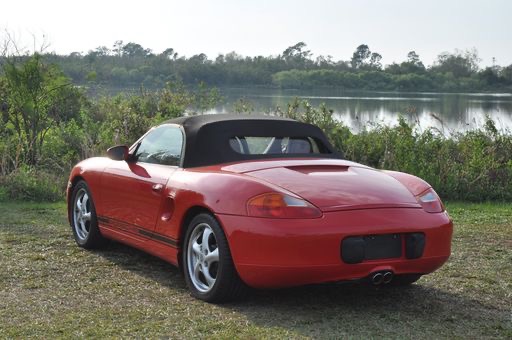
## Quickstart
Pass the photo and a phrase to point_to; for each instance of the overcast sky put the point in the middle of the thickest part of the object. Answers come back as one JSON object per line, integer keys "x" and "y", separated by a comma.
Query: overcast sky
{"x": 263, "y": 27}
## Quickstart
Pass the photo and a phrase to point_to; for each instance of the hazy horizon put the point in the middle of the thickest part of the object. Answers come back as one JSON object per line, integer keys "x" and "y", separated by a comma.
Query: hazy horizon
{"x": 336, "y": 28}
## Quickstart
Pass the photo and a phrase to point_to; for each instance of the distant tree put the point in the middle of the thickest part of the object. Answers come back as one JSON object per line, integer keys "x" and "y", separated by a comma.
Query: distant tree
{"x": 219, "y": 59}
{"x": 324, "y": 62}
{"x": 506, "y": 73}
{"x": 490, "y": 77}
{"x": 135, "y": 50}
{"x": 232, "y": 57}
{"x": 102, "y": 51}
{"x": 342, "y": 65}
{"x": 375, "y": 59}
{"x": 414, "y": 59}
{"x": 169, "y": 53}
{"x": 393, "y": 68}
{"x": 118, "y": 47}
{"x": 413, "y": 64}
{"x": 297, "y": 56}
{"x": 360, "y": 56}
{"x": 200, "y": 58}
{"x": 120, "y": 75}
{"x": 297, "y": 51}
{"x": 459, "y": 63}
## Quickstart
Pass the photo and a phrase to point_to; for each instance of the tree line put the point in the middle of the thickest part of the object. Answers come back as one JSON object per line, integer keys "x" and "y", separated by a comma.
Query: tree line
{"x": 130, "y": 65}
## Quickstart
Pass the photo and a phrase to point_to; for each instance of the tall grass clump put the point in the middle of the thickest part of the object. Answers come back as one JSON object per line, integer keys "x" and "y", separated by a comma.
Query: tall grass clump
{"x": 30, "y": 184}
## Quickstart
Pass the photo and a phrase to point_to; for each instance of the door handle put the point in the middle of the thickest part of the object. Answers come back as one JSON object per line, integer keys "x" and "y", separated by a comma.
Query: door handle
{"x": 157, "y": 187}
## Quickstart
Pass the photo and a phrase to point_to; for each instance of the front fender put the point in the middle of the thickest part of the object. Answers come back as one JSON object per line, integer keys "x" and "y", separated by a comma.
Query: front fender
{"x": 89, "y": 170}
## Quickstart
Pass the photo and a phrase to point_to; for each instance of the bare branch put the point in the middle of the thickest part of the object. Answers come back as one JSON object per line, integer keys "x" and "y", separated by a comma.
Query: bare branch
{"x": 43, "y": 46}
{"x": 11, "y": 47}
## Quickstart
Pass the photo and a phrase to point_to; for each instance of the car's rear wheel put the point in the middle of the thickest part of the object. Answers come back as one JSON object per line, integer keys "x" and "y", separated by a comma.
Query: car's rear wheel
{"x": 83, "y": 218}
{"x": 208, "y": 266}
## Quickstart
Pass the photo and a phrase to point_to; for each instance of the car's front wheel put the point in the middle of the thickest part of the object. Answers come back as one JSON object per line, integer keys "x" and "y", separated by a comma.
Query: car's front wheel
{"x": 208, "y": 266}
{"x": 83, "y": 218}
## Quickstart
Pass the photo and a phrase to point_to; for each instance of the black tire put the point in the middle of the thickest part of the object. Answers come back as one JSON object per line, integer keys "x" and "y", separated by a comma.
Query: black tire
{"x": 227, "y": 285}
{"x": 85, "y": 229}
{"x": 404, "y": 280}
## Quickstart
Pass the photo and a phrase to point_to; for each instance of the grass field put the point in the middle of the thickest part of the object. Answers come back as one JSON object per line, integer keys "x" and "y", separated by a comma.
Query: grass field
{"x": 51, "y": 288}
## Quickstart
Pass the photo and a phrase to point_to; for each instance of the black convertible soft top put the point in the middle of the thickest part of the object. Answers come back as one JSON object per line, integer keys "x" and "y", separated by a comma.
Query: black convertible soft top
{"x": 207, "y": 137}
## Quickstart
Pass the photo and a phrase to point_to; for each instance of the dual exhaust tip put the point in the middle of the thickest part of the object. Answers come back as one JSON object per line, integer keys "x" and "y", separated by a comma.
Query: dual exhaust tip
{"x": 379, "y": 278}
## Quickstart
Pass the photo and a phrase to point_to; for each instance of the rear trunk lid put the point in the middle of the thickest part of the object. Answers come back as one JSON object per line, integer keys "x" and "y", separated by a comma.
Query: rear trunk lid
{"x": 332, "y": 185}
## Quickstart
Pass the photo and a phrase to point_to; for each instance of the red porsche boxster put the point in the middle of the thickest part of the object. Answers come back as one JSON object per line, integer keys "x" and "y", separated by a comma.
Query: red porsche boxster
{"x": 257, "y": 201}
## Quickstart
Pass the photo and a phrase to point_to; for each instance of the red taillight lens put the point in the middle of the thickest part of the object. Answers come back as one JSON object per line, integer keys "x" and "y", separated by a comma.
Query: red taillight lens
{"x": 430, "y": 201}
{"x": 276, "y": 205}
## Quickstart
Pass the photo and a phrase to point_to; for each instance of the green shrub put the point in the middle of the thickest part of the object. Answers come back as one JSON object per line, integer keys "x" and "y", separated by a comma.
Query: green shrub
{"x": 28, "y": 184}
{"x": 3, "y": 193}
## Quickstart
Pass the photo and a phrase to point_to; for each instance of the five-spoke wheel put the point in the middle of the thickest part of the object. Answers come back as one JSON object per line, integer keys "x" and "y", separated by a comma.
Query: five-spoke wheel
{"x": 83, "y": 217}
{"x": 209, "y": 270}
{"x": 82, "y": 214}
{"x": 203, "y": 257}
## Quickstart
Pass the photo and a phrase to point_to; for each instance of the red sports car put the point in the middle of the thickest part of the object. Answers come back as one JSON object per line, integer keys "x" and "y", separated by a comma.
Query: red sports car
{"x": 257, "y": 201}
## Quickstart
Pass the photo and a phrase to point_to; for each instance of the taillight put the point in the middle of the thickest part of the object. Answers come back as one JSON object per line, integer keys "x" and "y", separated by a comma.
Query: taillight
{"x": 277, "y": 205}
{"x": 430, "y": 201}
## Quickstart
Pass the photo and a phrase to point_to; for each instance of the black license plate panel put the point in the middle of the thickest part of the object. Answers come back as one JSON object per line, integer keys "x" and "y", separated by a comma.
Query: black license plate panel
{"x": 383, "y": 246}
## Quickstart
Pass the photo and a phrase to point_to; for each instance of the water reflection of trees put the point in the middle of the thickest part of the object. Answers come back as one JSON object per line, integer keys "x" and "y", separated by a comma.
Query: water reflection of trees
{"x": 456, "y": 112}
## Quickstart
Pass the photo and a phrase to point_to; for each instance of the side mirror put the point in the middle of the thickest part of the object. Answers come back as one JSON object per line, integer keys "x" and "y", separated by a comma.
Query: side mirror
{"x": 118, "y": 153}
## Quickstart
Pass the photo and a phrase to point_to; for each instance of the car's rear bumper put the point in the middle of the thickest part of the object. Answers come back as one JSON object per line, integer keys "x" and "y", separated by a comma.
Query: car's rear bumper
{"x": 288, "y": 252}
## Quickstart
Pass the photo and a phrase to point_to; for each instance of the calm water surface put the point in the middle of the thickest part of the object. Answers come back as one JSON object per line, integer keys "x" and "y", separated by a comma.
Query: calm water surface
{"x": 449, "y": 112}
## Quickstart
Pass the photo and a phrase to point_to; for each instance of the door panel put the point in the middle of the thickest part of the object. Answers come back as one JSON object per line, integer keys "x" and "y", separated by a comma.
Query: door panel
{"x": 132, "y": 195}
{"x": 133, "y": 190}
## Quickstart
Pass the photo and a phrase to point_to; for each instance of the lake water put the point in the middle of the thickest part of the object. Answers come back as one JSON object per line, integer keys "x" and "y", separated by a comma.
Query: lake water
{"x": 448, "y": 112}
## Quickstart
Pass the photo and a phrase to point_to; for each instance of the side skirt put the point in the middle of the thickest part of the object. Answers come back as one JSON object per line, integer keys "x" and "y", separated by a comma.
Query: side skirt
{"x": 135, "y": 236}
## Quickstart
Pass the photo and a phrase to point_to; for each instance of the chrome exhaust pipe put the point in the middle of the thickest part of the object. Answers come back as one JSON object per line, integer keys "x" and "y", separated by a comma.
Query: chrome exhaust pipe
{"x": 387, "y": 277}
{"x": 377, "y": 279}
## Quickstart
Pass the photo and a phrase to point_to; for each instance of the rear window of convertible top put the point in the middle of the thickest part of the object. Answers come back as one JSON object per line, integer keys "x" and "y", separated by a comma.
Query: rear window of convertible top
{"x": 252, "y": 145}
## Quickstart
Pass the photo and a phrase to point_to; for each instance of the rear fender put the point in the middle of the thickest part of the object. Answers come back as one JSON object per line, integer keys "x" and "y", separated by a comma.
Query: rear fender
{"x": 214, "y": 192}
{"x": 414, "y": 184}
